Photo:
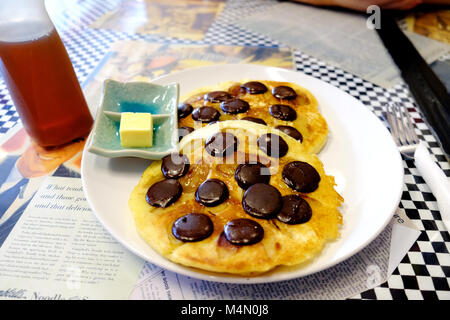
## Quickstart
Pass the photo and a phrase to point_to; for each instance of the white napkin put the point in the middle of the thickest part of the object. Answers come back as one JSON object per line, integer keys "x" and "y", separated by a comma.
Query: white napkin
{"x": 436, "y": 180}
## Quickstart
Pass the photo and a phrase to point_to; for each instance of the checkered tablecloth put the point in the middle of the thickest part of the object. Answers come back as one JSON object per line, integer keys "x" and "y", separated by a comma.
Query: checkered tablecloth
{"x": 424, "y": 273}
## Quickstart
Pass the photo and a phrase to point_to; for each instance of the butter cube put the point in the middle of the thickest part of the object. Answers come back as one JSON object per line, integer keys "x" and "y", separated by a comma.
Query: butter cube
{"x": 136, "y": 130}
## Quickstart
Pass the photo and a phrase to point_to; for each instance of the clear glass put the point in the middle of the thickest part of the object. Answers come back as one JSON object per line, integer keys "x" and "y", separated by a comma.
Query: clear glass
{"x": 40, "y": 76}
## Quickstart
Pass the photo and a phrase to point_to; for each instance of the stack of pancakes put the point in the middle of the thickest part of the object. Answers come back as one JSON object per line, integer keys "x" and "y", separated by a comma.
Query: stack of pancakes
{"x": 246, "y": 192}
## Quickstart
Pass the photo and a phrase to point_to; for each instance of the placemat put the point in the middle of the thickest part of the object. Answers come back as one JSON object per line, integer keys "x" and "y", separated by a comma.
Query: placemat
{"x": 424, "y": 272}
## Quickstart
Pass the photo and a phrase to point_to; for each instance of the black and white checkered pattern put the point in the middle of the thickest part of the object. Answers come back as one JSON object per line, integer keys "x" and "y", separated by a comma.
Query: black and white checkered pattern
{"x": 424, "y": 273}
{"x": 8, "y": 114}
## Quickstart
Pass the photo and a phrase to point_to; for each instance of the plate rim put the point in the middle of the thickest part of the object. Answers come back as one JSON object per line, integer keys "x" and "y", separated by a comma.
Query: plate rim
{"x": 236, "y": 279}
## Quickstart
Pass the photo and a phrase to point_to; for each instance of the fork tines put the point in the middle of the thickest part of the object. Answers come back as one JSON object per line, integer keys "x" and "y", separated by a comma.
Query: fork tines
{"x": 402, "y": 127}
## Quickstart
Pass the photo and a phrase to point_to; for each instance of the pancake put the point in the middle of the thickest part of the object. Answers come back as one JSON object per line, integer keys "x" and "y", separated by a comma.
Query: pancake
{"x": 283, "y": 105}
{"x": 215, "y": 206}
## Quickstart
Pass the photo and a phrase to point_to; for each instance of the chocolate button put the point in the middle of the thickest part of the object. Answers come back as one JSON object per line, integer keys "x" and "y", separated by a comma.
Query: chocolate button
{"x": 273, "y": 145}
{"x": 234, "y": 106}
{"x": 221, "y": 144}
{"x": 174, "y": 165}
{"x": 205, "y": 114}
{"x": 243, "y": 232}
{"x": 295, "y": 210}
{"x": 217, "y": 96}
{"x": 251, "y": 173}
{"x": 211, "y": 193}
{"x": 255, "y": 120}
{"x": 184, "y": 131}
{"x": 192, "y": 227}
{"x": 254, "y": 87}
{"x": 184, "y": 109}
{"x": 282, "y": 112}
{"x": 164, "y": 193}
{"x": 301, "y": 176}
{"x": 284, "y": 93}
{"x": 291, "y": 131}
{"x": 262, "y": 201}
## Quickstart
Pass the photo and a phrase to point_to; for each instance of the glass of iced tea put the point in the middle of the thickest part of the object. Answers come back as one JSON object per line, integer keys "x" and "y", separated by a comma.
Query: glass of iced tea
{"x": 40, "y": 76}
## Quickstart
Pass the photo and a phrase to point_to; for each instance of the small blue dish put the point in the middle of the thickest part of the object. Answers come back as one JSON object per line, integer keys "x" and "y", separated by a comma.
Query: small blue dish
{"x": 118, "y": 97}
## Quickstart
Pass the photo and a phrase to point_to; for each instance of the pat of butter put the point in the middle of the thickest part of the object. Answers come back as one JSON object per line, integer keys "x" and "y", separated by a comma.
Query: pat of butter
{"x": 136, "y": 130}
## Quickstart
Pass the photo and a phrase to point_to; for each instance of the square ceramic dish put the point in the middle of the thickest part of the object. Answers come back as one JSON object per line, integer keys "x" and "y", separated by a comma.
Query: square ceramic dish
{"x": 118, "y": 97}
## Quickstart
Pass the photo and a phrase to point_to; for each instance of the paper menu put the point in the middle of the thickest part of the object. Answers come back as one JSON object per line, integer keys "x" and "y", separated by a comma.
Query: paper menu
{"x": 58, "y": 250}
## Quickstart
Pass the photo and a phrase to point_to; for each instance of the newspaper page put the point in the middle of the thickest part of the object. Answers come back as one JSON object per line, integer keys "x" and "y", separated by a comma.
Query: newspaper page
{"x": 58, "y": 250}
{"x": 339, "y": 38}
{"x": 133, "y": 60}
{"x": 184, "y": 19}
{"x": 365, "y": 270}
{"x": 59, "y": 223}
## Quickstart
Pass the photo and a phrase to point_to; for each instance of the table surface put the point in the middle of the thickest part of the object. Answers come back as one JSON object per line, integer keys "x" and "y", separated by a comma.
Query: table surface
{"x": 424, "y": 273}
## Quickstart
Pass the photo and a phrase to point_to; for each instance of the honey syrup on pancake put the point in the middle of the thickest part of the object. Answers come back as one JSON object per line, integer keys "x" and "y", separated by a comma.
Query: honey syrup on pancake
{"x": 216, "y": 182}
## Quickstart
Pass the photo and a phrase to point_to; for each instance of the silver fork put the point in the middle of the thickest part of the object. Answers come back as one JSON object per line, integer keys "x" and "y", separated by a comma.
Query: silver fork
{"x": 402, "y": 130}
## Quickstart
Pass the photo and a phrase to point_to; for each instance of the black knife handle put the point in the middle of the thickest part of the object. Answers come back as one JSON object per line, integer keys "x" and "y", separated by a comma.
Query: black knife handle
{"x": 427, "y": 89}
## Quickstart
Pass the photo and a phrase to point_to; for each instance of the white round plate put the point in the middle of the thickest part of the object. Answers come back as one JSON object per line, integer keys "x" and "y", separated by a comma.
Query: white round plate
{"x": 359, "y": 153}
